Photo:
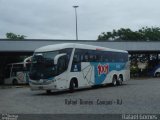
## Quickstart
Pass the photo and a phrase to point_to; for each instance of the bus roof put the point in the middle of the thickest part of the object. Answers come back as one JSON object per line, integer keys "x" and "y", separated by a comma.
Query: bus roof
{"x": 74, "y": 45}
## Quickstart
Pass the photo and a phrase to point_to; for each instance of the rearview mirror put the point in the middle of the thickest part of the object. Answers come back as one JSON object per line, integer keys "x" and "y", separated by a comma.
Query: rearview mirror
{"x": 57, "y": 57}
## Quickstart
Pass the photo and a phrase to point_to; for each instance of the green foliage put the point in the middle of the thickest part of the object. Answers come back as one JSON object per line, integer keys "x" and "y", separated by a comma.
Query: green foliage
{"x": 143, "y": 34}
{"x": 14, "y": 36}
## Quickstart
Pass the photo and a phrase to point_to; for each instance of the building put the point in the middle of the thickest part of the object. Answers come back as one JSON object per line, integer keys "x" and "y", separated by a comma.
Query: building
{"x": 139, "y": 51}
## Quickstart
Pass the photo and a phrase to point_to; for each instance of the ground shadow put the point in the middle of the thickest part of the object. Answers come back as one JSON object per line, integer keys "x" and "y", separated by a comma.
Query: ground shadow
{"x": 77, "y": 90}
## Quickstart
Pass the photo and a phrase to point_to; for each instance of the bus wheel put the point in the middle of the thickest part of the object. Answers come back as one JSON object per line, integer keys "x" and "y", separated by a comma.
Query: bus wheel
{"x": 114, "y": 81}
{"x": 14, "y": 82}
{"x": 48, "y": 91}
{"x": 120, "y": 80}
{"x": 157, "y": 74}
{"x": 72, "y": 86}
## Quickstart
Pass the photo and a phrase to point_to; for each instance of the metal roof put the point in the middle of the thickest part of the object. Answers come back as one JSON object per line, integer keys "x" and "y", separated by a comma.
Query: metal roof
{"x": 29, "y": 45}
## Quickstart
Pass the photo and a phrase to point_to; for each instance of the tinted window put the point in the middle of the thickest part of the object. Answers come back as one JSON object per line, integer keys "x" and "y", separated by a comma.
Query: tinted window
{"x": 84, "y": 55}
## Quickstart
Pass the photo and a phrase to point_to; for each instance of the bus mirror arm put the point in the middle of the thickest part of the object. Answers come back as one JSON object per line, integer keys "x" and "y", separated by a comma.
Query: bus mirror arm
{"x": 57, "y": 57}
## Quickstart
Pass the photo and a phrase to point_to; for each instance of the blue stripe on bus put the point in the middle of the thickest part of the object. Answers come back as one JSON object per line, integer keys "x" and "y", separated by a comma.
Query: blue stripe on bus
{"x": 101, "y": 70}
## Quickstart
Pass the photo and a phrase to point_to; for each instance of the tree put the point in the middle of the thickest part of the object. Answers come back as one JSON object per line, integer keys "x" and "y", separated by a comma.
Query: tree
{"x": 126, "y": 34}
{"x": 14, "y": 36}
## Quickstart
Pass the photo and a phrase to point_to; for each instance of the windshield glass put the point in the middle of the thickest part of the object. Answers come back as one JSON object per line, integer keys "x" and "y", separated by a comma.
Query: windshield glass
{"x": 43, "y": 66}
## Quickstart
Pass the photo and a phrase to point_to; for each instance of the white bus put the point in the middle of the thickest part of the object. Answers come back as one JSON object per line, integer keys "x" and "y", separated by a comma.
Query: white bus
{"x": 71, "y": 66}
{"x": 17, "y": 73}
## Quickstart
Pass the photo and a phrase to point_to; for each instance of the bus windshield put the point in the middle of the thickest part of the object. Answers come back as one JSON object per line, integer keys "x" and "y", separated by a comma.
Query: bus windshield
{"x": 12, "y": 69}
{"x": 43, "y": 66}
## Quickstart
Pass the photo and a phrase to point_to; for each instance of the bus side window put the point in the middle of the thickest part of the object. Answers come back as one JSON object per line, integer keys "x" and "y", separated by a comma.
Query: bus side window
{"x": 121, "y": 57}
{"x": 113, "y": 57}
{"x": 86, "y": 58}
{"x": 13, "y": 74}
{"x": 62, "y": 64}
{"x": 92, "y": 56}
{"x": 76, "y": 64}
{"x": 75, "y": 59}
{"x": 7, "y": 71}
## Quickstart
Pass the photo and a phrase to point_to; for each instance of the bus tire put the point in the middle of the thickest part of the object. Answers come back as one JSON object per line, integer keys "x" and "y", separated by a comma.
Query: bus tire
{"x": 157, "y": 74}
{"x": 14, "y": 82}
{"x": 120, "y": 80}
{"x": 48, "y": 91}
{"x": 114, "y": 81}
{"x": 72, "y": 85}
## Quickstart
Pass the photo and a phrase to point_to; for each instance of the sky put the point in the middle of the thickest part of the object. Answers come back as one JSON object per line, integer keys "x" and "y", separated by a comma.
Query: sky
{"x": 55, "y": 19}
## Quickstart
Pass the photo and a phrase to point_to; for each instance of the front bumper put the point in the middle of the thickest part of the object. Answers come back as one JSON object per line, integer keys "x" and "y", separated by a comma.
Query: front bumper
{"x": 35, "y": 85}
{"x": 43, "y": 87}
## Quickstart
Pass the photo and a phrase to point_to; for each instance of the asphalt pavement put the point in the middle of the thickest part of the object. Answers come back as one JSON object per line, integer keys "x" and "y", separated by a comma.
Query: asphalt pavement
{"x": 135, "y": 96}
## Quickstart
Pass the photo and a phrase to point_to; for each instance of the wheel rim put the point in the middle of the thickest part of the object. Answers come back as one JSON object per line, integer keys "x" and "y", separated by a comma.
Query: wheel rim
{"x": 120, "y": 81}
{"x": 114, "y": 82}
{"x": 158, "y": 75}
{"x": 72, "y": 86}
